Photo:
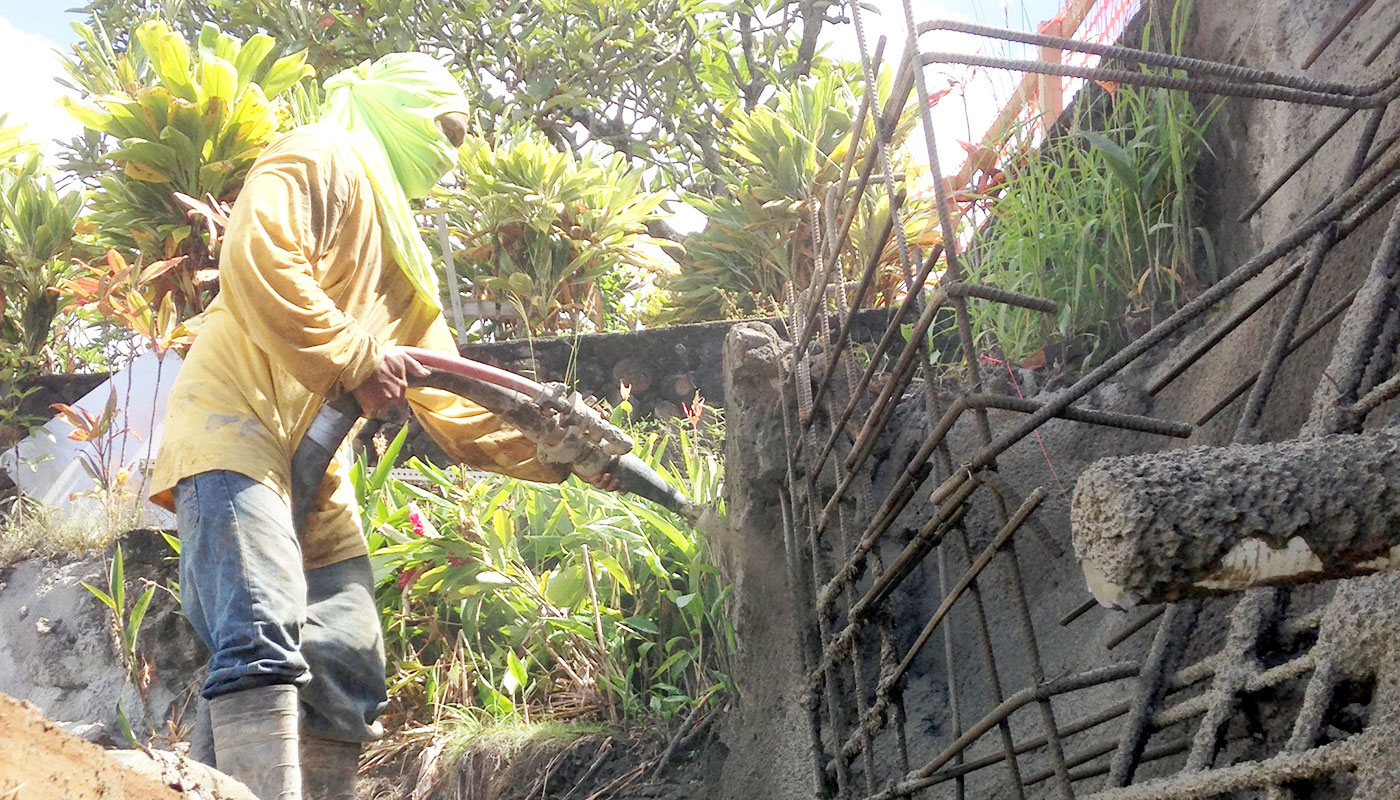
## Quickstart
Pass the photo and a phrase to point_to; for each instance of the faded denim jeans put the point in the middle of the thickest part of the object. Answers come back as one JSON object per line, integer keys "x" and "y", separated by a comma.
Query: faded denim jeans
{"x": 265, "y": 621}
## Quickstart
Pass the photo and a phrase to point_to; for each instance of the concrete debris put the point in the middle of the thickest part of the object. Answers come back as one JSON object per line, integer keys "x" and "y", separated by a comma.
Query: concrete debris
{"x": 1165, "y": 526}
{"x": 41, "y": 761}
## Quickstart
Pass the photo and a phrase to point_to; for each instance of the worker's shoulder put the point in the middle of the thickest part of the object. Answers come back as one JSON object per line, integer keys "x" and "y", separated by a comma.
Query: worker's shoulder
{"x": 315, "y": 145}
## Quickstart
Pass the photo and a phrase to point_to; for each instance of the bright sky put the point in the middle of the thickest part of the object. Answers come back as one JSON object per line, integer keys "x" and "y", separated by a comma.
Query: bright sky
{"x": 31, "y": 29}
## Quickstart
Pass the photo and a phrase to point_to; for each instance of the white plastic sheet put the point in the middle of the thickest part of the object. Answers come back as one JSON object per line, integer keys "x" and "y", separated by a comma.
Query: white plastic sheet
{"x": 48, "y": 466}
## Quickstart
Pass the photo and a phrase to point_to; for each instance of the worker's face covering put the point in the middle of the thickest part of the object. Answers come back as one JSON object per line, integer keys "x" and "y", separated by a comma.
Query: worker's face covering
{"x": 390, "y": 108}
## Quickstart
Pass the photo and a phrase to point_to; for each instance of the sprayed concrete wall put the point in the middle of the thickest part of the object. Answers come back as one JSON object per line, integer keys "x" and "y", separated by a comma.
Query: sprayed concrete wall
{"x": 1251, "y": 143}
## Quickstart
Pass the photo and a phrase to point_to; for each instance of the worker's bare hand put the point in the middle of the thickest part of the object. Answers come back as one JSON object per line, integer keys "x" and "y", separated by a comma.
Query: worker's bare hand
{"x": 604, "y": 481}
{"x": 385, "y": 387}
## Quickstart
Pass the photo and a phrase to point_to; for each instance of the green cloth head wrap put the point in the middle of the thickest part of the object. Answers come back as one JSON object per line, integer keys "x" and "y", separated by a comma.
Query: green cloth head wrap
{"x": 389, "y": 108}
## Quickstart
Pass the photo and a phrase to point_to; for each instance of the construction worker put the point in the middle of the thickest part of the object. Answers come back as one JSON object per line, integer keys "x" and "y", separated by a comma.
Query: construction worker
{"x": 324, "y": 277}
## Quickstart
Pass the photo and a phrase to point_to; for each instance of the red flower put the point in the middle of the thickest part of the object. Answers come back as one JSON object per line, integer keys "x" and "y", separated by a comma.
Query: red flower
{"x": 409, "y": 577}
{"x": 415, "y": 518}
{"x": 695, "y": 410}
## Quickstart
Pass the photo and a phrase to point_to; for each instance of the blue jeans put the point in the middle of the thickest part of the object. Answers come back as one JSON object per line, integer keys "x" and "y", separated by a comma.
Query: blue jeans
{"x": 265, "y": 621}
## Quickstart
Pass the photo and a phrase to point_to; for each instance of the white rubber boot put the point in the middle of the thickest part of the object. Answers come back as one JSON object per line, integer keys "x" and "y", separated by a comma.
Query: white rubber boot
{"x": 255, "y": 740}
{"x": 328, "y": 769}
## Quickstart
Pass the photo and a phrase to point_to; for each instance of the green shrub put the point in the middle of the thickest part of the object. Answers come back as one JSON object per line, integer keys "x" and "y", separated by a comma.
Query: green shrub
{"x": 1102, "y": 219}
{"x": 562, "y": 240}
{"x": 483, "y": 586}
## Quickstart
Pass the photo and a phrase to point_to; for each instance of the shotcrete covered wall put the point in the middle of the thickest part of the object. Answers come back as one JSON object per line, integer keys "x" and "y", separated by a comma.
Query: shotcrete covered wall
{"x": 931, "y": 706}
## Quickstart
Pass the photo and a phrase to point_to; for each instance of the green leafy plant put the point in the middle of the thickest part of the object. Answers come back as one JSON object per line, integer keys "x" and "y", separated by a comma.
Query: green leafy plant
{"x": 655, "y": 81}
{"x": 179, "y": 121}
{"x": 101, "y": 463}
{"x": 1103, "y": 219}
{"x": 787, "y": 155}
{"x": 484, "y": 586}
{"x": 37, "y": 228}
{"x": 560, "y": 240}
{"x": 126, "y": 619}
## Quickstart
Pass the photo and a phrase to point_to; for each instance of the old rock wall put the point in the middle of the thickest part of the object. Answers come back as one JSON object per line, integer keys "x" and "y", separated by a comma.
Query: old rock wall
{"x": 57, "y": 648}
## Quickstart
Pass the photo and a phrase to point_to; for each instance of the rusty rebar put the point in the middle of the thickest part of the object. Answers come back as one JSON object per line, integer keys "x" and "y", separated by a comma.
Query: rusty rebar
{"x": 1297, "y": 165}
{"x": 1171, "y": 61}
{"x": 1254, "y": 91}
{"x": 1134, "y": 626}
{"x": 1357, "y": 8}
{"x": 1322, "y": 321}
{"x": 867, "y": 278}
{"x": 914, "y": 474}
{"x": 1225, "y": 328}
{"x": 1280, "y": 346}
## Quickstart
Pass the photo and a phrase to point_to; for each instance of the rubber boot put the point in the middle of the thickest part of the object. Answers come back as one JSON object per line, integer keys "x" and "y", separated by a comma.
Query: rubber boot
{"x": 255, "y": 740}
{"x": 202, "y": 734}
{"x": 328, "y": 769}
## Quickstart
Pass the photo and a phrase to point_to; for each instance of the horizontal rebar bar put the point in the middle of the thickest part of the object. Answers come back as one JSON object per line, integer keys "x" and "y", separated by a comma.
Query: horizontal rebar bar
{"x": 1254, "y": 91}
{"x": 1301, "y": 339}
{"x": 1359, "y": 194}
{"x": 914, "y": 473}
{"x": 1004, "y": 296}
{"x": 1274, "y": 771}
{"x": 1155, "y": 59}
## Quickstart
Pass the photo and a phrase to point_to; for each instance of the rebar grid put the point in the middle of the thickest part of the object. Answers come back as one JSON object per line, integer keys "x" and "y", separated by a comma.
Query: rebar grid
{"x": 856, "y": 703}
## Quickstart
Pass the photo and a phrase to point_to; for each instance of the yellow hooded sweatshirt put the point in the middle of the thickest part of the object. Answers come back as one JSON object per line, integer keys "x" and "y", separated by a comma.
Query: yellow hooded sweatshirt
{"x": 310, "y": 298}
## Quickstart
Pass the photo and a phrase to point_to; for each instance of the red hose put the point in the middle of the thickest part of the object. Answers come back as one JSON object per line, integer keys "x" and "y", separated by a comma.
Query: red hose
{"x": 475, "y": 369}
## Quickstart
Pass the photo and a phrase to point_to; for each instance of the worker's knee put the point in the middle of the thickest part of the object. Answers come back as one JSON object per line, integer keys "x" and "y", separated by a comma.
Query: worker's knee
{"x": 241, "y": 582}
{"x": 343, "y": 645}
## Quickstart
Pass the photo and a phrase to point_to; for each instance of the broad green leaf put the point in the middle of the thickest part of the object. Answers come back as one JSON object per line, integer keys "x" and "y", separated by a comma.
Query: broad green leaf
{"x": 140, "y": 172}
{"x": 1117, "y": 159}
{"x": 132, "y": 628}
{"x": 516, "y": 676}
{"x": 170, "y": 57}
{"x": 286, "y": 71}
{"x": 251, "y": 57}
{"x": 87, "y": 116}
{"x": 100, "y": 595}
{"x": 642, "y": 624}
{"x": 218, "y": 78}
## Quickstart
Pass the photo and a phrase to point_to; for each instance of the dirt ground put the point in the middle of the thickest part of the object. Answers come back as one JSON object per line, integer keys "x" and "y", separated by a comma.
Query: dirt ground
{"x": 622, "y": 766}
{"x": 41, "y": 761}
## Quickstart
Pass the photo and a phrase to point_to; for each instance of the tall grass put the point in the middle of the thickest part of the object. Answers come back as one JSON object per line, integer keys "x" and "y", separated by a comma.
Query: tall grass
{"x": 1103, "y": 219}
{"x": 511, "y": 601}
